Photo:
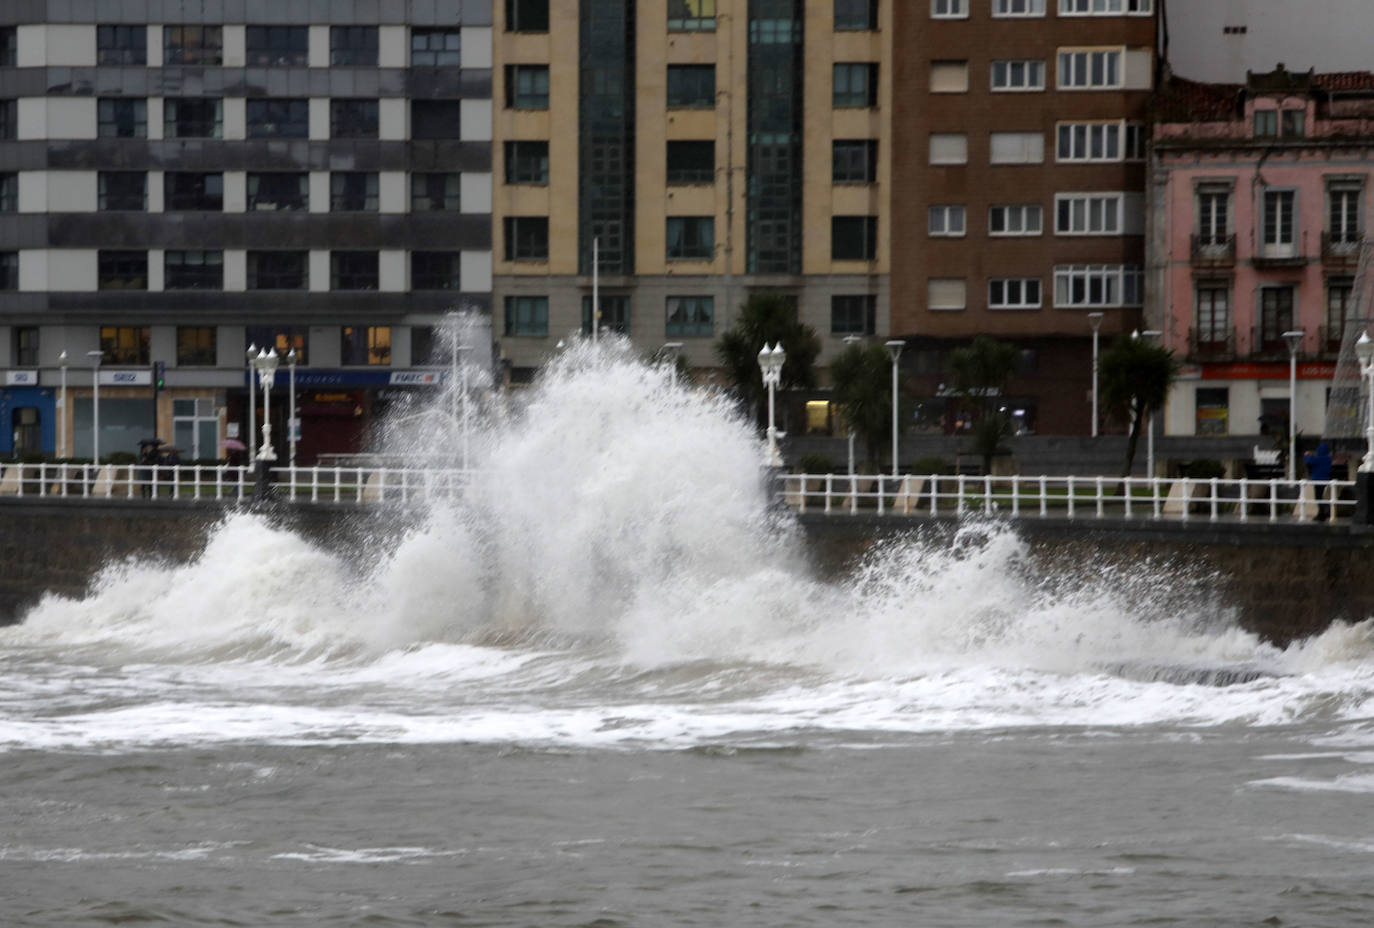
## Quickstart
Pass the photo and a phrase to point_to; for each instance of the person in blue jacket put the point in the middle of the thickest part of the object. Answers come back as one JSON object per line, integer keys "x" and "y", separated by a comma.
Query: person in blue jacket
{"x": 1319, "y": 471}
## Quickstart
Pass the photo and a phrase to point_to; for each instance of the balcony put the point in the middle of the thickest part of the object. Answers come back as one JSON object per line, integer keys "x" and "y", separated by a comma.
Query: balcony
{"x": 1341, "y": 250}
{"x": 1214, "y": 344}
{"x": 1212, "y": 250}
{"x": 1266, "y": 345}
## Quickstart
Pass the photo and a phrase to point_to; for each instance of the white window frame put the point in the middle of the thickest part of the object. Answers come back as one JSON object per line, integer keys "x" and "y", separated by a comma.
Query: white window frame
{"x": 1024, "y": 138}
{"x": 1340, "y": 229}
{"x": 1021, "y": 210}
{"x": 1118, "y": 285}
{"x": 1119, "y": 141}
{"x": 1074, "y": 67}
{"x": 1007, "y": 9}
{"x": 940, "y": 223}
{"x": 949, "y": 9}
{"x": 1279, "y": 245}
{"x": 1212, "y": 203}
{"x": 1027, "y": 292}
{"x": 1106, "y": 7}
{"x": 1090, "y": 213}
{"x": 1032, "y": 68}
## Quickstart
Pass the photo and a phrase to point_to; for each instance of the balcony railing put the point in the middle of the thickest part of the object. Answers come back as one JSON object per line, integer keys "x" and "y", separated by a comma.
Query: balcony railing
{"x": 1214, "y": 344}
{"x": 1329, "y": 340}
{"x": 1213, "y": 250}
{"x": 1341, "y": 250}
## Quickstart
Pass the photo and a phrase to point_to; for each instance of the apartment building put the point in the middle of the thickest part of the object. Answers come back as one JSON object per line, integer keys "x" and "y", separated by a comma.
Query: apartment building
{"x": 179, "y": 181}
{"x": 1262, "y": 204}
{"x": 1018, "y": 202}
{"x": 701, "y": 150}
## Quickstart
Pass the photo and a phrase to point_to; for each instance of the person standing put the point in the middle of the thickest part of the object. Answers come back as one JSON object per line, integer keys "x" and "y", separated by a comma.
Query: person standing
{"x": 1319, "y": 471}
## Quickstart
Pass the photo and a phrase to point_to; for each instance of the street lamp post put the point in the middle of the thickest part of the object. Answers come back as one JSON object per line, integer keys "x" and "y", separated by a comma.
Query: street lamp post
{"x": 293, "y": 424}
{"x": 1364, "y": 351}
{"x": 1095, "y": 320}
{"x": 669, "y": 352}
{"x": 851, "y": 340}
{"x": 770, "y": 362}
{"x": 252, "y": 406}
{"x": 266, "y": 365}
{"x": 62, "y": 405}
{"x": 894, "y": 349}
{"x": 1150, "y": 334}
{"x": 96, "y": 357}
{"x": 1294, "y": 339}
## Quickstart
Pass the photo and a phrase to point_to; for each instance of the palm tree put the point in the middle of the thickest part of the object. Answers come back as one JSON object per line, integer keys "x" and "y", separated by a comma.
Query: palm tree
{"x": 1135, "y": 381}
{"x": 981, "y": 373}
{"x": 765, "y": 319}
{"x": 859, "y": 378}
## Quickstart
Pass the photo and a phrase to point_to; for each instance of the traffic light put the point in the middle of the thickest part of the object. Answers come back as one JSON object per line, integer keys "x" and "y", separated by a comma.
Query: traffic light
{"x": 159, "y": 375}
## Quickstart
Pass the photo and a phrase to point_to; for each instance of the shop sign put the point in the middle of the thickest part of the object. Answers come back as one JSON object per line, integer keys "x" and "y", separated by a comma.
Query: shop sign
{"x": 1268, "y": 370}
{"x": 115, "y": 378}
{"x": 21, "y": 378}
{"x": 351, "y": 378}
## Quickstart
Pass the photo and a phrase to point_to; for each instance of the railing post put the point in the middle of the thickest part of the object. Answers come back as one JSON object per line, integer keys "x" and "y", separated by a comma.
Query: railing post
{"x": 1214, "y": 499}
{"x": 987, "y": 494}
{"x": 829, "y": 486}
{"x": 881, "y": 489}
{"x": 959, "y": 495}
{"x": 1044, "y": 496}
{"x": 1100, "y": 501}
{"x": 1126, "y": 486}
{"x": 1187, "y": 499}
{"x": 315, "y": 484}
{"x": 1154, "y": 496}
{"x": 934, "y": 494}
{"x": 1273, "y": 500}
{"x": 1244, "y": 500}
{"x": 1070, "y": 495}
{"x": 1015, "y": 496}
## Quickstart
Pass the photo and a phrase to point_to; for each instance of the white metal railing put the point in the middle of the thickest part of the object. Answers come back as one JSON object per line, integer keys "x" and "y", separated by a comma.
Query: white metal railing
{"x": 226, "y": 484}
{"x": 1069, "y": 497}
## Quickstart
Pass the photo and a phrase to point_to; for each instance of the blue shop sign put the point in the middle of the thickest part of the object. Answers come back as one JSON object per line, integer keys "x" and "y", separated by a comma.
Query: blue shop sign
{"x": 352, "y": 378}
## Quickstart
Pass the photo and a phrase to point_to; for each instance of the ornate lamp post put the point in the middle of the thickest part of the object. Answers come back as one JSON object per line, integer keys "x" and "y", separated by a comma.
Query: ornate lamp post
{"x": 266, "y": 365}
{"x": 62, "y": 405}
{"x": 1293, "y": 337}
{"x": 894, "y": 349}
{"x": 96, "y": 357}
{"x": 252, "y": 406}
{"x": 1095, "y": 320}
{"x": 293, "y": 424}
{"x": 851, "y": 341}
{"x": 1364, "y": 350}
{"x": 770, "y": 362}
{"x": 669, "y": 353}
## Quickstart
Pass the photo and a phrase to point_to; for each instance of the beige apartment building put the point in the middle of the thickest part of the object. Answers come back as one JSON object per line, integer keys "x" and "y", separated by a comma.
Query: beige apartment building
{"x": 703, "y": 149}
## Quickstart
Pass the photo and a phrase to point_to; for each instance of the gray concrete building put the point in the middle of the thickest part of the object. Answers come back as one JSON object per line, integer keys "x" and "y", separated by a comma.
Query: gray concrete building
{"x": 181, "y": 180}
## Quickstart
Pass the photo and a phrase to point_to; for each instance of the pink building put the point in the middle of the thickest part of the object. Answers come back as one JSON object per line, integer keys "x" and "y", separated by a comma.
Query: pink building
{"x": 1258, "y": 206}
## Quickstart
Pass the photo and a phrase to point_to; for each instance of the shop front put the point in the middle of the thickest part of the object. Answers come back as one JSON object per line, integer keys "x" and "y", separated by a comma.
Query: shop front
{"x": 28, "y": 413}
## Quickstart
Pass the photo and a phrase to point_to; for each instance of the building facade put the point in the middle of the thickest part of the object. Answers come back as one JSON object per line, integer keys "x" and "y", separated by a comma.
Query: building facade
{"x": 1018, "y": 202}
{"x": 1261, "y": 199}
{"x": 702, "y": 150}
{"x": 181, "y": 181}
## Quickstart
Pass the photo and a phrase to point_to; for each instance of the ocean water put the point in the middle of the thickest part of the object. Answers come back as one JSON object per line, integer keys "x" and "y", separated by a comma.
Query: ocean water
{"x": 607, "y": 690}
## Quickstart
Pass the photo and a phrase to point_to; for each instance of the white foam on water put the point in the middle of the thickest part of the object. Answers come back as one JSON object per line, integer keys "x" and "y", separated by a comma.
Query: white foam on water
{"x": 617, "y": 577}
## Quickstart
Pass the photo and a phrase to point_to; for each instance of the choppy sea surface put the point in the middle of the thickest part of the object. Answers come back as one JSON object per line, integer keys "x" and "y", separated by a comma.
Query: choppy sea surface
{"x": 612, "y": 692}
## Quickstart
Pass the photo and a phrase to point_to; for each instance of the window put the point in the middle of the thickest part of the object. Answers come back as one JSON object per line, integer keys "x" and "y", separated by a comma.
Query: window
{"x": 436, "y": 48}
{"x": 281, "y": 338}
{"x": 278, "y": 190}
{"x": 1212, "y": 331}
{"x": 278, "y": 118}
{"x": 946, "y": 293}
{"x": 9, "y": 118}
{"x": 1278, "y": 220}
{"x": 123, "y": 270}
{"x": 277, "y": 46}
{"x": 436, "y": 119}
{"x": 353, "y": 270}
{"x": 124, "y": 344}
{"x": 691, "y": 238}
{"x": 527, "y": 238}
{"x": 1100, "y": 141}
{"x": 1293, "y": 123}
{"x": 353, "y": 192}
{"x": 1015, "y": 219}
{"x": 533, "y": 15}
{"x": 528, "y": 162}
{"x": 1338, "y": 290}
{"x": 435, "y": 270}
{"x": 278, "y": 270}
{"x": 116, "y": 45}
{"x": 854, "y": 161}
{"x": 434, "y": 192}
{"x": 1083, "y": 285}
{"x": 856, "y": 84}
{"x": 193, "y": 270}
{"x": 353, "y": 45}
{"x": 1343, "y": 213}
{"x": 353, "y": 119}
{"x": 853, "y": 314}
{"x": 949, "y": 9}
{"x": 615, "y": 314}
{"x": 947, "y": 221}
{"x": 9, "y": 270}
{"x": 370, "y": 345}
{"x": 1089, "y": 69}
{"x": 527, "y": 86}
{"x": 9, "y": 46}
{"x": 187, "y": 190}
{"x": 193, "y": 45}
{"x": 690, "y": 316}
{"x": 1018, "y": 7}
{"x": 1016, "y": 148}
{"x": 1014, "y": 293}
{"x": 1088, "y": 214}
{"x": 192, "y": 118}
{"x": 1266, "y": 123}
{"x": 853, "y": 238}
{"x": 527, "y": 315}
{"x": 691, "y": 85}
{"x": 26, "y": 346}
{"x": 949, "y": 77}
{"x": 1104, "y": 7}
{"x": 691, "y": 162}
{"x": 856, "y": 15}
{"x": 195, "y": 346}
{"x": 948, "y": 148}
{"x": 1018, "y": 74}
{"x": 120, "y": 118}
{"x": 1212, "y": 206}
{"x": 1212, "y": 410}
{"x": 123, "y": 190}
{"x": 422, "y": 346}
{"x": 9, "y": 192}
{"x": 1276, "y": 316}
